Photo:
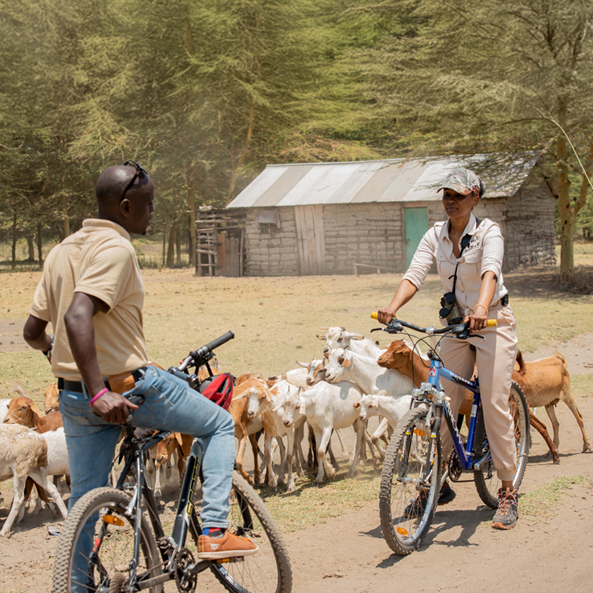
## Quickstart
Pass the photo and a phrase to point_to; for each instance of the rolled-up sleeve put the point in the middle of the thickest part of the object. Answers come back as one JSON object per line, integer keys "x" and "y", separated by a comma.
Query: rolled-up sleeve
{"x": 492, "y": 251}
{"x": 422, "y": 260}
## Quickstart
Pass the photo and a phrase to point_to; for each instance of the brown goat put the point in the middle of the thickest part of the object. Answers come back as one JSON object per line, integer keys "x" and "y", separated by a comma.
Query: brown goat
{"x": 22, "y": 410}
{"x": 52, "y": 398}
{"x": 545, "y": 382}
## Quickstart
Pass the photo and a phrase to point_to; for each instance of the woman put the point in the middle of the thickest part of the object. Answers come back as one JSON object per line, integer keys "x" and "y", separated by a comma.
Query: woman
{"x": 472, "y": 251}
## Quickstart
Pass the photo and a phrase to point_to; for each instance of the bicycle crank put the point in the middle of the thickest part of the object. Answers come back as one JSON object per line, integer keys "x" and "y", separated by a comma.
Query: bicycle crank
{"x": 184, "y": 579}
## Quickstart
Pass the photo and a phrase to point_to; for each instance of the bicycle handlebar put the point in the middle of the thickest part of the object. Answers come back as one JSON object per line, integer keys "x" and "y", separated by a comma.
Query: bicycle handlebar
{"x": 396, "y": 326}
{"x": 201, "y": 355}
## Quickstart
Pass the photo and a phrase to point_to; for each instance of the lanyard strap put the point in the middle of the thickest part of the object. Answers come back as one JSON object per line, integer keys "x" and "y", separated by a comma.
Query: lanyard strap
{"x": 464, "y": 243}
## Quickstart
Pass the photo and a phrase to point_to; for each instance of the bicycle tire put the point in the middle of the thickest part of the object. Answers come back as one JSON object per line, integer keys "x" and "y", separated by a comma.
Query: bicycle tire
{"x": 267, "y": 571}
{"x": 115, "y": 550}
{"x": 486, "y": 479}
{"x": 404, "y": 534}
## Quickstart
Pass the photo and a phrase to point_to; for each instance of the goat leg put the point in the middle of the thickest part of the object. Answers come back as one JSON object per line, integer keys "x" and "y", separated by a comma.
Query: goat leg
{"x": 541, "y": 428}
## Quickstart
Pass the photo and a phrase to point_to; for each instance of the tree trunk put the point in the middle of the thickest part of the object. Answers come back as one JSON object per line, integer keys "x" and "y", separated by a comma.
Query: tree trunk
{"x": 171, "y": 249}
{"x": 13, "y": 261}
{"x": 31, "y": 247}
{"x": 565, "y": 208}
{"x": 39, "y": 245}
{"x": 244, "y": 150}
{"x": 191, "y": 206}
{"x": 178, "y": 247}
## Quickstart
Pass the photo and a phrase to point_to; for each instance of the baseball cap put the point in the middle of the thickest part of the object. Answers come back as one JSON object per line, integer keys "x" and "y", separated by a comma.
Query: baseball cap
{"x": 463, "y": 181}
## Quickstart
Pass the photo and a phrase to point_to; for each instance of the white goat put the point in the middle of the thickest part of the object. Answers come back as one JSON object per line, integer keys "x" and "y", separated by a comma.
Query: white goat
{"x": 24, "y": 453}
{"x": 338, "y": 337}
{"x": 329, "y": 407}
{"x": 346, "y": 365}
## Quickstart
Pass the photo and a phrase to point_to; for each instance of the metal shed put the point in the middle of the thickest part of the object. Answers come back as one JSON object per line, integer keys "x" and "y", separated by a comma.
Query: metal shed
{"x": 340, "y": 218}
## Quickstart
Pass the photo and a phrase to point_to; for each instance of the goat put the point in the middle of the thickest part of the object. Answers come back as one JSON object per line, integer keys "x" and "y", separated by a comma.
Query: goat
{"x": 545, "y": 382}
{"x": 163, "y": 453}
{"x": 338, "y": 337}
{"x": 22, "y": 410}
{"x": 52, "y": 398}
{"x": 24, "y": 453}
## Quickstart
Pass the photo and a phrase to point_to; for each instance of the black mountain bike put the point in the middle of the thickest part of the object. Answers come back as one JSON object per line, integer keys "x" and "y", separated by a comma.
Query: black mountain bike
{"x": 113, "y": 540}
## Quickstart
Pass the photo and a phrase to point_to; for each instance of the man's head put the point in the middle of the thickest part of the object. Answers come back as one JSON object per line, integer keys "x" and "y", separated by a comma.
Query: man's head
{"x": 125, "y": 195}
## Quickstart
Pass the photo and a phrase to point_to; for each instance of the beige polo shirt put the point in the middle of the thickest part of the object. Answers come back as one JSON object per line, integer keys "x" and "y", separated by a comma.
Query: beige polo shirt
{"x": 98, "y": 260}
{"x": 483, "y": 254}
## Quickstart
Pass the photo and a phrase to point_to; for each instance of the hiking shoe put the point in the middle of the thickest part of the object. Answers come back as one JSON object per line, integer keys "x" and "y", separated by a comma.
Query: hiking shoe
{"x": 447, "y": 494}
{"x": 508, "y": 509}
{"x": 228, "y": 545}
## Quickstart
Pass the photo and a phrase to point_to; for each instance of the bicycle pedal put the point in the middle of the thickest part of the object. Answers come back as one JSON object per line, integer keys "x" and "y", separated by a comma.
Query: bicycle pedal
{"x": 223, "y": 560}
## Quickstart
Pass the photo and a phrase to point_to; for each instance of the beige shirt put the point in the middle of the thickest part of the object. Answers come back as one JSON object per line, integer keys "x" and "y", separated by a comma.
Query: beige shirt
{"x": 484, "y": 253}
{"x": 100, "y": 261}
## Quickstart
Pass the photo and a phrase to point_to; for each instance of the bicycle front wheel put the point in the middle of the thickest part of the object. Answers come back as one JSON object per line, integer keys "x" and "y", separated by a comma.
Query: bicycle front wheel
{"x": 97, "y": 547}
{"x": 408, "y": 498}
{"x": 486, "y": 479}
{"x": 269, "y": 570}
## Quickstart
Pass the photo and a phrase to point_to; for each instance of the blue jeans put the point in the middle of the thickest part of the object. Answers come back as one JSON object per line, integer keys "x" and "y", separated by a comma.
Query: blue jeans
{"x": 169, "y": 404}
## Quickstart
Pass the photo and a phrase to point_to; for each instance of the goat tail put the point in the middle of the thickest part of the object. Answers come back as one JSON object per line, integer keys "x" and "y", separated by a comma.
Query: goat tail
{"x": 560, "y": 358}
{"x": 520, "y": 362}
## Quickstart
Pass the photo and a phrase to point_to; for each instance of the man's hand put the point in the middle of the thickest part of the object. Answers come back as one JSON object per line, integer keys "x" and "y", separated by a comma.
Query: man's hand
{"x": 113, "y": 407}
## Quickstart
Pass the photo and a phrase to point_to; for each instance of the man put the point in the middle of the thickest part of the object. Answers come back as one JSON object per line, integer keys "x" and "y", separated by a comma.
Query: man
{"x": 92, "y": 293}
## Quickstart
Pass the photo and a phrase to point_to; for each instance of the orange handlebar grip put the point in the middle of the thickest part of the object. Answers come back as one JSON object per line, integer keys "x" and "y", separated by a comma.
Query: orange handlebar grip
{"x": 491, "y": 323}
{"x": 374, "y": 315}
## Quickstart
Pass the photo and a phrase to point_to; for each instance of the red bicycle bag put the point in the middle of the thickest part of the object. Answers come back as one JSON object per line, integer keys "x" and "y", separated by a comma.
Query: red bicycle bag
{"x": 219, "y": 389}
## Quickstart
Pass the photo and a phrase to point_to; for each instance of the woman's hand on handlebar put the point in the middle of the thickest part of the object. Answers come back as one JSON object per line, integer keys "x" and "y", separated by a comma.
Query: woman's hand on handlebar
{"x": 478, "y": 320}
{"x": 386, "y": 315}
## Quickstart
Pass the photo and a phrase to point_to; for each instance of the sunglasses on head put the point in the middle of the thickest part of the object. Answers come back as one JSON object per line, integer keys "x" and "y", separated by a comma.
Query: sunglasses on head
{"x": 139, "y": 171}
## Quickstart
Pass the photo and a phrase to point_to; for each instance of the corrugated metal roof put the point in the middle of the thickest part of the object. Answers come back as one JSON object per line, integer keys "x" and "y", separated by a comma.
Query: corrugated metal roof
{"x": 391, "y": 180}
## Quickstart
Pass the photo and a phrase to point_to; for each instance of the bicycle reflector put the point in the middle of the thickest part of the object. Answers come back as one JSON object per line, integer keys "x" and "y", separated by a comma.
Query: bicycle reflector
{"x": 402, "y": 531}
{"x": 113, "y": 520}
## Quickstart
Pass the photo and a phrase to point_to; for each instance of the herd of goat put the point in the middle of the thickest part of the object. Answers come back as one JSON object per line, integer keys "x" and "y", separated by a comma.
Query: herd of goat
{"x": 354, "y": 380}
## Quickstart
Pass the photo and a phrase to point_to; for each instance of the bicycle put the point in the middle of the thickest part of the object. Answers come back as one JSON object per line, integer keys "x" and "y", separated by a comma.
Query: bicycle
{"x": 413, "y": 461}
{"x": 124, "y": 552}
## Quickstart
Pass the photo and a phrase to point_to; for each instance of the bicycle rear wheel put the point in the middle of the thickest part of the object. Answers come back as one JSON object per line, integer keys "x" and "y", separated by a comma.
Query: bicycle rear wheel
{"x": 97, "y": 546}
{"x": 269, "y": 570}
{"x": 486, "y": 479}
{"x": 401, "y": 483}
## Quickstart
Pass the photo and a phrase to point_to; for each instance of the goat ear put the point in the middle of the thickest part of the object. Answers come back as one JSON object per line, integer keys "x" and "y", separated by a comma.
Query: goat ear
{"x": 302, "y": 364}
{"x": 320, "y": 337}
{"x": 277, "y": 406}
{"x": 179, "y": 438}
{"x": 345, "y": 362}
{"x": 356, "y": 337}
{"x": 36, "y": 409}
{"x": 356, "y": 404}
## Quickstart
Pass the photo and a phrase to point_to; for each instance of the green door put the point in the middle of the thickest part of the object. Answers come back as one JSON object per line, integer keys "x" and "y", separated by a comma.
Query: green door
{"x": 415, "y": 224}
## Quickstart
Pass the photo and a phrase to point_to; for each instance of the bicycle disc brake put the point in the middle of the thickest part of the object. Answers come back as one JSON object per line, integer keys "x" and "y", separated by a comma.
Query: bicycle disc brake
{"x": 185, "y": 581}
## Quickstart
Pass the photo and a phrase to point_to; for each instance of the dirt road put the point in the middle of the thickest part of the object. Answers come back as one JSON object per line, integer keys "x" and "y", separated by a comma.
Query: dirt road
{"x": 549, "y": 553}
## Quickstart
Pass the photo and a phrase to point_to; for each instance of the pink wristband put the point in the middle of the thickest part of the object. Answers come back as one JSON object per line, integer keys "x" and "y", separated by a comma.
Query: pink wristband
{"x": 102, "y": 392}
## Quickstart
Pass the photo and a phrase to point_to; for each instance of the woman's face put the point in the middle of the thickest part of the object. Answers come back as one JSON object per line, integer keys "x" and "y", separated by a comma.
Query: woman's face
{"x": 457, "y": 205}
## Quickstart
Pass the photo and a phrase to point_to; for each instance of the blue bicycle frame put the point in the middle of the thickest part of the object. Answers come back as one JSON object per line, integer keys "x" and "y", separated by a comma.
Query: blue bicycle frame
{"x": 464, "y": 454}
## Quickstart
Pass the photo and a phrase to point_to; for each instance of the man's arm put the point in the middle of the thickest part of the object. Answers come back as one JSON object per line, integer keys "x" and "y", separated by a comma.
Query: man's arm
{"x": 111, "y": 406}
{"x": 34, "y": 334}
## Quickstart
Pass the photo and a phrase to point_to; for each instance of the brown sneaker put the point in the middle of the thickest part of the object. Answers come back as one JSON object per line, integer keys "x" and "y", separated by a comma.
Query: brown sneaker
{"x": 508, "y": 509}
{"x": 227, "y": 546}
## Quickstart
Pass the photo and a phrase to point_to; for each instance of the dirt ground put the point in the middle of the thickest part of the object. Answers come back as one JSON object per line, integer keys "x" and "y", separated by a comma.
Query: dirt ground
{"x": 461, "y": 553}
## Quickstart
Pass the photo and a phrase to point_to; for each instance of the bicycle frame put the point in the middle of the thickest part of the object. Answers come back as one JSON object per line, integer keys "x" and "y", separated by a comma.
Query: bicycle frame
{"x": 182, "y": 524}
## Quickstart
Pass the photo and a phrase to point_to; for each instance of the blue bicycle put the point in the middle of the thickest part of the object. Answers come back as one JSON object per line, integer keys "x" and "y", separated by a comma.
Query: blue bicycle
{"x": 413, "y": 463}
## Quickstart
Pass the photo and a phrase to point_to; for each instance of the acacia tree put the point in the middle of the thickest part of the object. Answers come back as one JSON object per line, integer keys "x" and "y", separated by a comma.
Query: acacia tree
{"x": 514, "y": 74}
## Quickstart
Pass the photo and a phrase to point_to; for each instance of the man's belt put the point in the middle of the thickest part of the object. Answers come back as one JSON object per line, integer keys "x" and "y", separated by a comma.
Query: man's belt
{"x": 118, "y": 383}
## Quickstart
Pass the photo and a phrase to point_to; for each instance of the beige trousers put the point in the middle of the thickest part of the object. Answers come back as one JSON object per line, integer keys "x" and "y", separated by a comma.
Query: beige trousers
{"x": 495, "y": 359}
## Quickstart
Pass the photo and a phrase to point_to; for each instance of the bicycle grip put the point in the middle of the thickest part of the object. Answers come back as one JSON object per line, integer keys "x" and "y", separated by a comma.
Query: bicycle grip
{"x": 374, "y": 315}
{"x": 215, "y": 343}
{"x": 491, "y": 323}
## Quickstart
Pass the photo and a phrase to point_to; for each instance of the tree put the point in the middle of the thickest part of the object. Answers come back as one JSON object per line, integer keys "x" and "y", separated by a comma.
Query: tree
{"x": 509, "y": 75}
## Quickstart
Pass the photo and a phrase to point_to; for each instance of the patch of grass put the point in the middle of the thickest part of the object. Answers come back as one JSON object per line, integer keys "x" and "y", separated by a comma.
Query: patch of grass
{"x": 539, "y": 504}
{"x": 311, "y": 505}
{"x": 582, "y": 385}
